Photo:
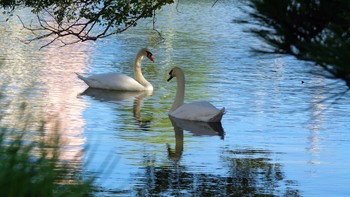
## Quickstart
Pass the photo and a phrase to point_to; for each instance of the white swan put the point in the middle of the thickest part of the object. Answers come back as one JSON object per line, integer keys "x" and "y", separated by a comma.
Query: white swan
{"x": 115, "y": 81}
{"x": 196, "y": 111}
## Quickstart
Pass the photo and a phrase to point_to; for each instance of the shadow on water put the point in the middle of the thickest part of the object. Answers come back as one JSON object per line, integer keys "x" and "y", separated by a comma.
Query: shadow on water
{"x": 246, "y": 176}
{"x": 199, "y": 128}
{"x": 196, "y": 128}
{"x": 115, "y": 96}
{"x": 247, "y": 171}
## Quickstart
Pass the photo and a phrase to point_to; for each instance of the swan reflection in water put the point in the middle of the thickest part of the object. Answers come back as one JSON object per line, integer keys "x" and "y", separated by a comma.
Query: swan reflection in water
{"x": 113, "y": 96}
{"x": 194, "y": 127}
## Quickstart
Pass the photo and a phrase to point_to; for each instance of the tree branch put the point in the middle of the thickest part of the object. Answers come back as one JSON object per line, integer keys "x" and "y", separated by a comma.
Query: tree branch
{"x": 80, "y": 19}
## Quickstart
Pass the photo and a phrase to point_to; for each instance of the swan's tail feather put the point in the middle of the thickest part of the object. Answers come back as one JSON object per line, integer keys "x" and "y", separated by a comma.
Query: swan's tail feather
{"x": 80, "y": 77}
{"x": 83, "y": 78}
{"x": 218, "y": 117}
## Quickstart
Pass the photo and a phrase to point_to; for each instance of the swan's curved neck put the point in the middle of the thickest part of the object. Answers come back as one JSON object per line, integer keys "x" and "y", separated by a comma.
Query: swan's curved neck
{"x": 180, "y": 92}
{"x": 138, "y": 73}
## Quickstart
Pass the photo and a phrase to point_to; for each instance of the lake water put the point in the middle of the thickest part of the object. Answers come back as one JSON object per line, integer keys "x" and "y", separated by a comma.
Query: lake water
{"x": 286, "y": 129}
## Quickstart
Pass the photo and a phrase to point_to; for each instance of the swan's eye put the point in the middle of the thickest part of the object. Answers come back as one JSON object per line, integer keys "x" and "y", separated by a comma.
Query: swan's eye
{"x": 170, "y": 72}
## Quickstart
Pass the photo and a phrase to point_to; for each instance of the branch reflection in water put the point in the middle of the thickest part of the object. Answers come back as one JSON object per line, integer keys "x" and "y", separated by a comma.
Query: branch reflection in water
{"x": 196, "y": 128}
{"x": 247, "y": 172}
{"x": 115, "y": 96}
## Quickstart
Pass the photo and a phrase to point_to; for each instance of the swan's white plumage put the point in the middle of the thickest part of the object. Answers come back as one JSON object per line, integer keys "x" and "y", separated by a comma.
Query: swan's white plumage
{"x": 195, "y": 111}
{"x": 122, "y": 82}
{"x": 198, "y": 111}
{"x": 112, "y": 81}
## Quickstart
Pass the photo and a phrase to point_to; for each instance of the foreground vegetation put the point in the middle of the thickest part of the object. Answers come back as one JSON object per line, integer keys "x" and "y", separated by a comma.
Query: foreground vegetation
{"x": 29, "y": 168}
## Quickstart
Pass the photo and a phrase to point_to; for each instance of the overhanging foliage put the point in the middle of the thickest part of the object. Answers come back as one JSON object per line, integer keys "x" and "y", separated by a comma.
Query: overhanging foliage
{"x": 311, "y": 30}
{"x": 83, "y": 19}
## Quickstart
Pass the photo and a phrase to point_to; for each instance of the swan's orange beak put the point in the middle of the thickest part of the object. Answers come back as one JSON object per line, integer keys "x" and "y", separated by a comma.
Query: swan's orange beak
{"x": 151, "y": 58}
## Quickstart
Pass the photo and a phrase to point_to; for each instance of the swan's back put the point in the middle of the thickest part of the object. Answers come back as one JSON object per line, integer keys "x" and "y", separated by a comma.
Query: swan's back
{"x": 112, "y": 81}
{"x": 198, "y": 111}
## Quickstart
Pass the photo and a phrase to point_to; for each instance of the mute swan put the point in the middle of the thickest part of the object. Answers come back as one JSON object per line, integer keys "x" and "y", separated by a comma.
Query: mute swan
{"x": 115, "y": 81}
{"x": 196, "y": 111}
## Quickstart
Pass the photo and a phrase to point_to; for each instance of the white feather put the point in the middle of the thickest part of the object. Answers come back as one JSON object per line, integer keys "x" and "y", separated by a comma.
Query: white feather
{"x": 112, "y": 81}
{"x": 198, "y": 111}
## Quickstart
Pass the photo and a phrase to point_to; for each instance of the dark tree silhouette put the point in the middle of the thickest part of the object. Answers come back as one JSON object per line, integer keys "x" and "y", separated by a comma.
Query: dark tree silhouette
{"x": 311, "y": 30}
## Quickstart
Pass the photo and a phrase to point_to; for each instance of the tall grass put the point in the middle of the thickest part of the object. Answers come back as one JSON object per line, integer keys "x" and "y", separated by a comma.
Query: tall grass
{"x": 33, "y": 168}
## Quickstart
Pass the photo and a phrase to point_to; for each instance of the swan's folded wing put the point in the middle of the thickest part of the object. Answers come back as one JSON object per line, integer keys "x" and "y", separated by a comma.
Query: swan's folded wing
{"x": 113, "y": 82}
{"x": 198, "y": 111}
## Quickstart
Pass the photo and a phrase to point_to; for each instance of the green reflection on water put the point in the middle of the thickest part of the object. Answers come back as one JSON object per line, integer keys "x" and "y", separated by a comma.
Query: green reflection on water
{"x": 254, "y": 175}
